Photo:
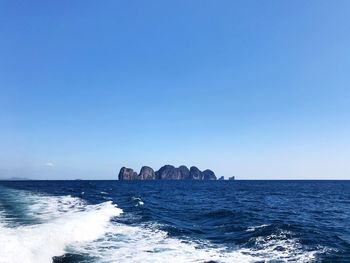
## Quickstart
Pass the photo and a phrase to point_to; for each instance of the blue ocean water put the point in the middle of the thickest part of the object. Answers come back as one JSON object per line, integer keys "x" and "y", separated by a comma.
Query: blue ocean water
{"x": 174, "y": 221}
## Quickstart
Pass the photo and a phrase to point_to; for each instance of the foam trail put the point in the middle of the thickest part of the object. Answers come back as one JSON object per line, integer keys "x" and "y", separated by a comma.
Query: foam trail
{"x": 67, "y": 224}
{"x": 149, "y": 244}
{"x": 143, "y": 244}
{"x": 66, "y": 221}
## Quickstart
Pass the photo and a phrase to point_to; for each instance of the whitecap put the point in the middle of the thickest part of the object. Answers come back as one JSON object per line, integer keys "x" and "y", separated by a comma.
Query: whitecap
{"x": 253, "y": 228}
{"x": 62, "y": 221}
{"x": 138, "y": 201}
{"x": 143, "y": 244}
{"x": 281, "y": 247}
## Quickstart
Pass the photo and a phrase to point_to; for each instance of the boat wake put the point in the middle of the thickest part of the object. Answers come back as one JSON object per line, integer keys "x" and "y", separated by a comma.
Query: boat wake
{"x": 61, "y": 221}
{"x": 62, "y": 225}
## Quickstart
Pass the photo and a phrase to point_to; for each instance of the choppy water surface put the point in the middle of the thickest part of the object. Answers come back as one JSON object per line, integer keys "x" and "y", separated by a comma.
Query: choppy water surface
{"x": 174, "y": 221}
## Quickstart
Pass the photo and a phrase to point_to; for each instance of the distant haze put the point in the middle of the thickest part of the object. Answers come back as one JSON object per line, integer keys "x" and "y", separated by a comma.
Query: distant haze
{"x": 252, "y": 89}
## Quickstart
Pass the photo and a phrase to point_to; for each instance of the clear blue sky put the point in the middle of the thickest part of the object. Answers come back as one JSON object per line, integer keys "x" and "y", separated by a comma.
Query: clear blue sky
{"x": 255, "y": 89}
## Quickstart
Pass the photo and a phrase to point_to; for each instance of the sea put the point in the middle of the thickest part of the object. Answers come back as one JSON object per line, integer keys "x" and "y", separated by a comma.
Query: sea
{"x": 174, "y": 221}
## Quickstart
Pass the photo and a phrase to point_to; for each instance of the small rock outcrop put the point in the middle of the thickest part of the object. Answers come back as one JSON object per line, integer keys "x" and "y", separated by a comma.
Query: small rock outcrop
{"x": 221, "y": 178}
{"x": 195, "y": 173}
{"x": 147, "y": 173}
{"x": 208, "y": 175}
{"x": 167, "y": 172}
{"x": 185, "y": 172}
{"x": 127, "y": 174}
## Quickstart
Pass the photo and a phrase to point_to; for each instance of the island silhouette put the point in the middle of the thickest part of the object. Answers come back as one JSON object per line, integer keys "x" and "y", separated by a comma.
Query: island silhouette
{"x": 166, "y": 172}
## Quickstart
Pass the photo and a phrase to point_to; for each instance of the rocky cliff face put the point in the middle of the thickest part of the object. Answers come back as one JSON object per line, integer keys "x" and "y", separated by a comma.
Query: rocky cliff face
{"x": 167, "y": 172}
{"x": 195, "y": 173}
{"x": 147, "y": 173}
{"x": 185, "y": 172}
{"x": 208, "y": 175}
{"x": 127, "y": 174}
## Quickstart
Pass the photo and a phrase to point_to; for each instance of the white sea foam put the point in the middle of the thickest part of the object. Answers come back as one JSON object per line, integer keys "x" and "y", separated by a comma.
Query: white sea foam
{"x": 253, "y": 228}
{"x": 144, "y": 244}
{"x": 68, "y": 224}
{"x": 138, "y": 201}
{"x": 281, "y": 247}
{"x": 67, "y": 221}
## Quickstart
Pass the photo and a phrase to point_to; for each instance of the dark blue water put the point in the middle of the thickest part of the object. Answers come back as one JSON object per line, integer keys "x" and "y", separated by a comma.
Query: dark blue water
{"x": 176, "y": 221}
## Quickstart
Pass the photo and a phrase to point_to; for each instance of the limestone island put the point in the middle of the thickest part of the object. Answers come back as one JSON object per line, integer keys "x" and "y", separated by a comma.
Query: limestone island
{"x": 167, "y": 172}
